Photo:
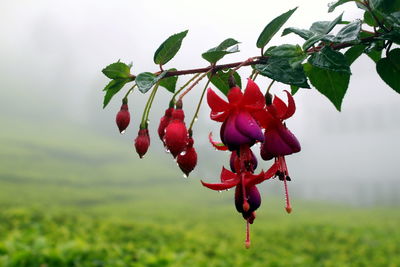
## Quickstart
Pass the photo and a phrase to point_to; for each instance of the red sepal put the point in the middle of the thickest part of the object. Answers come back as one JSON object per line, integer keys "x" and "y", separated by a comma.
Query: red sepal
{"x": 216, "y": 145}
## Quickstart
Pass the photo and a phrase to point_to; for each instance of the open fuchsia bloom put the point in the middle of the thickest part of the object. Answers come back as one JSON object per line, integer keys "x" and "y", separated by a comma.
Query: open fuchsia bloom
{"x": 243, "y": 117}
{"x": 279, "y": 140}
{"x": 239, "y": 127}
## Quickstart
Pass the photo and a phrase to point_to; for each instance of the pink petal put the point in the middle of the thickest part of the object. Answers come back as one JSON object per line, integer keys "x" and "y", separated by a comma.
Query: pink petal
{"x": 248, "y": 126}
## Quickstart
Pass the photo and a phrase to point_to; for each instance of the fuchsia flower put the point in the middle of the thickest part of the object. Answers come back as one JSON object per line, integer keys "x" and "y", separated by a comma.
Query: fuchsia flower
{"x": 123, "y": 118}
{"x": 142, "y": 142}
{"x": 239, "y": 126}
{"x": 176, "y": 135}
{"x": 247, "y": 196}
{"x": 164, "y": 121}
{"x": 188, "y": 159}
{"x": 279, "y": 140}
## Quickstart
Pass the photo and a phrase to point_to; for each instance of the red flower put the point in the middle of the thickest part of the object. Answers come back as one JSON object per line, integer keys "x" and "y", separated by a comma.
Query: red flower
{"x": 279, "y": 140}
{"x": 123, "y": 118}
{"x": 176, "y": 134}
{"x": 164, "y": 121}
{"x": 247, "y": 196}
{"x": 239, "y": 126}
{"x": 142, "y": 142}
{"x": 187, "y": 161}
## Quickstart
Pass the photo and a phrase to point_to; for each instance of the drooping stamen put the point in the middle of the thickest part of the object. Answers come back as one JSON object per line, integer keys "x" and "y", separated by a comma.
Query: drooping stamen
{"x": 247, "y": 243}
{"x": 288, "y": 207}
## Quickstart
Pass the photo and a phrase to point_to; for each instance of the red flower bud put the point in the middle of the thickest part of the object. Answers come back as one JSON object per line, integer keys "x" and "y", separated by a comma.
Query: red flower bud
{"x": 142, "y": 142}
{"x": 187, "y": 160}
{"x": 164, "y": 121}
{"x": 123, "y": 118}
{"x": 176, "y": 134}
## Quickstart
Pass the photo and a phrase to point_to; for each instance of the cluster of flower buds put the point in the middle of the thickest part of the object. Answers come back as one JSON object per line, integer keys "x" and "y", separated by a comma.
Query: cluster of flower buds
{"x": 243, "y": 118}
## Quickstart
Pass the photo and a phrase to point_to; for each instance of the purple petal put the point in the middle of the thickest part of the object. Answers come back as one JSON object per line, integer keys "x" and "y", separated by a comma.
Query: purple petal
{"x": 231, "y": 137}
{"x": 248, "y": 126}
{"x": 290, "y": 139}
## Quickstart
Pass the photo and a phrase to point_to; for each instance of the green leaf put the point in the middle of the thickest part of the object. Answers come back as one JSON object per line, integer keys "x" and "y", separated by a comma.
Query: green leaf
{"x": 294, "y": 89}
{"x": 169, "y": 83}
{"x": 324, "y": 27}
{"x": 389, "y": 69}
{"x": 369, "y": 19}
{"x": 220, "y": 80}
{"x": 315, "y": 38}
{"x": 305, "y": 34}
{"x": 113, "y": 87}
{"x": 332, "y": 84}
{"x": 349, "y": 33}
{"x": 280, "y": 69}
{"x": 332, "y": 6}
{"x": 117, "y": 70}
{"x": 385, "y": 6}
{"x": 285, "y": 50}
{"x": 273, "y": 27}
{"x": 329, "y": 59}
{"x": 214, "y": 54}
{"x": 375, "y": 55}
{"x": 169, "y": 48}
{"x": 353, "y": 53}
{"x": 146, "y": 80}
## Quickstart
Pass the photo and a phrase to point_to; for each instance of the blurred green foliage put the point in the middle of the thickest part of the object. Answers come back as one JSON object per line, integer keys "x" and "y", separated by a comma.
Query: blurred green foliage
{"x": 69, "y": 197}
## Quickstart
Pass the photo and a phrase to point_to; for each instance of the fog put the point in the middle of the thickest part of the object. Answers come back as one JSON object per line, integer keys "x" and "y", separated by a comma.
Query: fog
{"x": 52, "y": 53}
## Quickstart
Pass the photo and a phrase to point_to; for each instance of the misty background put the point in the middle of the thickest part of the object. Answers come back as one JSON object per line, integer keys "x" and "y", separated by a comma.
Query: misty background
{"x": 52, "y": 54}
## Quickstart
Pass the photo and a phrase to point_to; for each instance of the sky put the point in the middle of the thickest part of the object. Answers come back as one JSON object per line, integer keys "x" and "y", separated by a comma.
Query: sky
{"x": 52, "y": 54}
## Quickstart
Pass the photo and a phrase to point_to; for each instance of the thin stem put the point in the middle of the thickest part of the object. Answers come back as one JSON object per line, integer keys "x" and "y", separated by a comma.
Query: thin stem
{"x": 270, "y": 85}
{"x": 198, "y": 106}
{"x": 255, "y": 75}
{"x": 192, "y": 85}
{"x": 130, "y": 91}
{"x": 143, "y": 123}
{"x": 183, "y": 87}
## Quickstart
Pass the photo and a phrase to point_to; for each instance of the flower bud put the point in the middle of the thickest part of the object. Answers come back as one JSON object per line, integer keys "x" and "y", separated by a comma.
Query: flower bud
{"x": 176, "y": 134}
{"x": 123, "y": 118}
{"x": 164, "y": 121}
{"x": 142, "y": 142}
{"x": 187, "y": 160}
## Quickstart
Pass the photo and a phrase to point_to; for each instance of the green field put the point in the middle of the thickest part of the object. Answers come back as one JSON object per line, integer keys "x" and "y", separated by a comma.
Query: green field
{"x": 69, "y": 197}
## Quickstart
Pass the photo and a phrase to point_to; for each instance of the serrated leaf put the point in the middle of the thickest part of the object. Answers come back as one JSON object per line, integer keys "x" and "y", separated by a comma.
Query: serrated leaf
{"x": 349, "y": 33}
{"x": 389, "y": 69}
{"x": 146, "y": 80}
{"x": 169, "y": 83}
{"x": 273, "y": 27}
{"x": 329, "y": 59}
{"x": 169, "y": 48}
{"x": 385, "y": 6}
{"x": 117, "y": 70}
{"x": 280, "y": 69}
{"x": 324, "y": 27}
{"x": 214, "y": 54}
{"x": 285, "y": 50}
{"x": 369, "y": 19}
{"x": 332, "y": 6}
{"x": 353, "y": 53}
{"x": 305, "y": 34}
{"x": 113, "y": 87}
{"x": 332, "y": 84}
{"x": 220, "y": 80}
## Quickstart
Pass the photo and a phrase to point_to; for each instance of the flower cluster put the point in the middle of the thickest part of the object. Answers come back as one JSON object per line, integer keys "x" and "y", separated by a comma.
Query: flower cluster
{"x": 247, "y": 118}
